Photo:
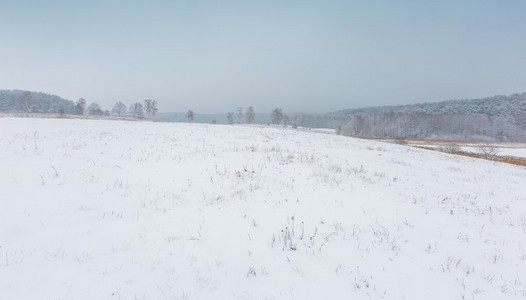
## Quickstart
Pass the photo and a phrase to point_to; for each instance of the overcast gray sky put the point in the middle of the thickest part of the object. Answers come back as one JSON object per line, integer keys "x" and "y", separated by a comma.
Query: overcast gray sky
{"x": 308, "y": 56}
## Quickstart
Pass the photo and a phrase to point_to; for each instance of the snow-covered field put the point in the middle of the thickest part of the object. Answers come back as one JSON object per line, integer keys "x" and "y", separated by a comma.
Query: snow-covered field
{"x": 138, "y": 210}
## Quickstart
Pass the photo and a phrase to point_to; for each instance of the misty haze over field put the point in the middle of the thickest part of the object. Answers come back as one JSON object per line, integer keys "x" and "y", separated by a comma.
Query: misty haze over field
{"x": 302, "y": 56}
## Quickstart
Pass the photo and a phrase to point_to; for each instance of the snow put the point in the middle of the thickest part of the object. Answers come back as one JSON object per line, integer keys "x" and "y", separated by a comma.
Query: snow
{"x": 519, "y": 152}
{"x": 501, "y": 150}
{"x": 141, "y": 210}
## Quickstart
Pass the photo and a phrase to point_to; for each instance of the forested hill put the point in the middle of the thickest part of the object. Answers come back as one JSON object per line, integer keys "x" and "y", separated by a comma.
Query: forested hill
{"x": 33, "y": 102}
{"x": 501, "y": 118}
{"x": 491, "y": 106}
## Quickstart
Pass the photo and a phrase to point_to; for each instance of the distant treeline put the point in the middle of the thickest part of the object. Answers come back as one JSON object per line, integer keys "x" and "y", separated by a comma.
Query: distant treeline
{"x": 34, "y": 102}
{"x": 19, "y": 101}
{"x": 501, "y": 118}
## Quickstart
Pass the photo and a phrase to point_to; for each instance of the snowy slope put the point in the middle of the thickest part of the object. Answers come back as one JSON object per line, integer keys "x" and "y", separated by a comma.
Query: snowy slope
{"x": 137, "y": 210}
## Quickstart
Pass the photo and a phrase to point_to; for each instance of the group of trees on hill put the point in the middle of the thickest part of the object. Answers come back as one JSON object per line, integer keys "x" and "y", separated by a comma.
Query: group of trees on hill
{"x": 241, "y": 116}
{"x": 136, "y": 110}
{"x": 33, "y": 102}
{"x": 94, "y": 109}
{"x": 248, "y": 116}
{"x": 498, "y": 118}
{"x": 448, "y": 126}
{"x": 19, "y": 101}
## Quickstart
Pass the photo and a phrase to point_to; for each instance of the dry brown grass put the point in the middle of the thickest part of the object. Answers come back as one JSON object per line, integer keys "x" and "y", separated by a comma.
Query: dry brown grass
{"x": 514, "y": 160}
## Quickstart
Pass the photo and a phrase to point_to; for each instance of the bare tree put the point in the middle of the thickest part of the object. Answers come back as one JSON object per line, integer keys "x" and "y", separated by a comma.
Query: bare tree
{"x": 239, "y": 114}
{"x": 154, "y": 108}
{"x": 190, "y": 115}
{"x": 24, "y": 102}
{"x": 147, "y": 107}
{"x": 150, "y": 107}
{"x": 80, "y": 106}
{"x": 250, "y": 115}
{"x": 276, "y": 116}
{"x": 489, "y": 151}
{"x": 230, "y": 118}
{"x": 95, "y": 110}
{"x": 62, "y": 112}
{"x": 136, "y": 110}
{"x": 119, "y": 109}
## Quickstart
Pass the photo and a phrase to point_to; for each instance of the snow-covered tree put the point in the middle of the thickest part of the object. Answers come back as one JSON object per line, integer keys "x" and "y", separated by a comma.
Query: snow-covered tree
{"x": 276, "y": 116}
{"x": 230, "y": 118}
{"x": 150, "y": 107}
{"x": 94, "y": 109}
{"x": 136, "y": 110}
{"x": 80, "y": 107}
{"x": 250, "y": 115}
{"x": 119, "y": 109}
{"x": 190, "y": 115}
{"x": 239, "y": 114}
